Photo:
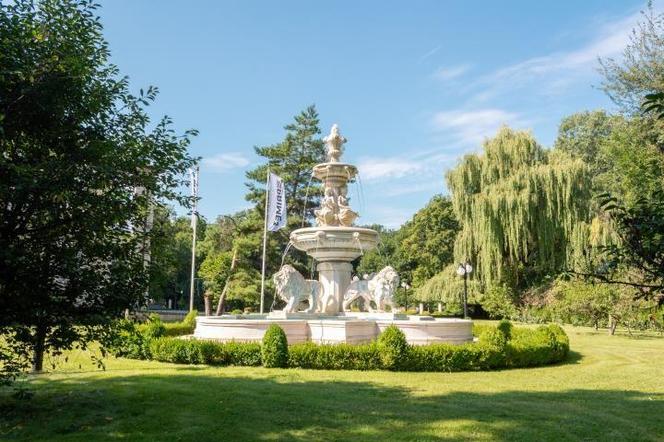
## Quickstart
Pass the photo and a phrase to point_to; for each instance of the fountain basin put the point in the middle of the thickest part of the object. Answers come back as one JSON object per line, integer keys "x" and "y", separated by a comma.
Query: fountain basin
{"x": 335, "y": 329}
{"x": 334, "y": 243}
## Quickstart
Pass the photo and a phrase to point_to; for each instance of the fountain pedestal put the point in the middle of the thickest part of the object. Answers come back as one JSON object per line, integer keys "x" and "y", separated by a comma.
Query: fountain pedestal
{"x": 334, "y": 277}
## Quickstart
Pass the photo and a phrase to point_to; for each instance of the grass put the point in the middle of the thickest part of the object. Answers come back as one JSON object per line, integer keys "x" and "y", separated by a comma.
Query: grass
{"x": 612, "y": 388}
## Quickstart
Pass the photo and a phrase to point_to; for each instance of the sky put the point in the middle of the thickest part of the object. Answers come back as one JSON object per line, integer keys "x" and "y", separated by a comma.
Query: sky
{"x": 413, "y": 85}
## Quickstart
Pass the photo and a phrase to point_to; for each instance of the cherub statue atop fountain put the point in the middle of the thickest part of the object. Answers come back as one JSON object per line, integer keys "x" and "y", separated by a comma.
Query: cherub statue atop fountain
{"x": 327, "y": 214}
{"x": 346, "y": 215}
{"x": 335, "y": 145}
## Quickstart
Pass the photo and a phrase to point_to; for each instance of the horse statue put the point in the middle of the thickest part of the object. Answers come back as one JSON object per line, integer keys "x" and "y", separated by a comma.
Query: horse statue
{"x": 293, "y": 288}
{"x": 380, "y": 289}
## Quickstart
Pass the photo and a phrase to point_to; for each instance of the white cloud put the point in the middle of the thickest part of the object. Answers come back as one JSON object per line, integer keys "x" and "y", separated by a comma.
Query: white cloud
{"x": 472, "y": 126}
{"x": 429, "y": 54}
{"x": 381, "y": 168}
{"x": 450, "y": 73}
{"x": 553, "y": 74}
{"x": 224, "y": 162}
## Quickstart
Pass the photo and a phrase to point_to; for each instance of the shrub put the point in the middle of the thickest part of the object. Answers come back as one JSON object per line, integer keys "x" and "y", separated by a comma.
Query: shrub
{"x": 192, "y": 351}
{"x": 505, "y": 327}
{"x": 392, "y": 348}
{"x": 526, "y": 348}
{"x": 274, "y": 350}
{"x": 127, "y": 341}
{"x": 498, "y": 302}
{"x": 153, "y": 328}
{"x": 335, "y": 357}
{"x": 190, "y": 319}
{"x": 546, "y": 344}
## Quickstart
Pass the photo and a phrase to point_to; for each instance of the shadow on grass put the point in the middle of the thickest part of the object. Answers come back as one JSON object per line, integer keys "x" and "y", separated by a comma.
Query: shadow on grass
{"x": 204, "y": 407}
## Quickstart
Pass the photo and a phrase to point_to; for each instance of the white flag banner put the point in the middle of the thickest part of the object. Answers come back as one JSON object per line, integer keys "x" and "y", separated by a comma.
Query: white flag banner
{"x": 276, "y": 211}
{"x": 193, "y": 175}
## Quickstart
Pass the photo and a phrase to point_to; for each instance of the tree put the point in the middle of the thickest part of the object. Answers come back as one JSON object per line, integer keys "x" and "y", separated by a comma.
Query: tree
{"x": 519, "y": 207}
{"x": 426, "y": 243}
{"x": 293, "y": 160}
{"x": 170, "y": 252}
{"x": 80, "y": 171}
{"x": 640, "y": 69}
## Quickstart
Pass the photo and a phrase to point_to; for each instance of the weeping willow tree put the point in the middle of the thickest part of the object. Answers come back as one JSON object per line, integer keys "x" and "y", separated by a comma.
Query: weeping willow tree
{"x": 524, "y": 210}
{"x": 447, "y": 287}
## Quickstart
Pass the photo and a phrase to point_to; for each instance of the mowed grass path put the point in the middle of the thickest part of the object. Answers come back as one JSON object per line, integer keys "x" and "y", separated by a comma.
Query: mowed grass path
{"x": 612, "y": 388}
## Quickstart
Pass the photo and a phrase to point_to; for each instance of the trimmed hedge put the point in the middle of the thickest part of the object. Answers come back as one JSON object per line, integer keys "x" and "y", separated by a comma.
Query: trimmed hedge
{"x": 192, "y": 351}
{"x": 497, "y": 347}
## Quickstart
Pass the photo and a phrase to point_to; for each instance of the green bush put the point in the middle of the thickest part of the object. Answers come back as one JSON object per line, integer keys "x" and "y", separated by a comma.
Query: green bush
{"x": 192, "y": 351}
{"x": 505, "y": 327}
{"x": 274, "y": 350}
{"x": 393, "y": 348}
{"x": 546, "y": 344}
{"x": 190, "y": 319}
{"x": 335, "y": 357}
{"x": 498, "y": 302}
{"x": 153, "y": 328}
{"x": 527, "y": 347}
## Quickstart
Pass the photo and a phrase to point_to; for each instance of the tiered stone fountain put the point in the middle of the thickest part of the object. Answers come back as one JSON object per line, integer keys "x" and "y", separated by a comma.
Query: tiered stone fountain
{"x": 319, "y": 310}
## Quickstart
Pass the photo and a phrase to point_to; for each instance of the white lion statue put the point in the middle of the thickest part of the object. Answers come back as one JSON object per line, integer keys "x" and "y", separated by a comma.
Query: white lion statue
{"x": 379, "y": 289}
{"x": 293, "y": 288}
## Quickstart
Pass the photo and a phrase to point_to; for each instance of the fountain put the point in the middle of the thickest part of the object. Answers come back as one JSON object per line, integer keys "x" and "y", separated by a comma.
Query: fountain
{"x": 319, "y": 310}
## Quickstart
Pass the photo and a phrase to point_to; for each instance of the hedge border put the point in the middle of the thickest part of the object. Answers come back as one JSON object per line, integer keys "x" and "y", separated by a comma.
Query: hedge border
{"x": 498, "y": 347}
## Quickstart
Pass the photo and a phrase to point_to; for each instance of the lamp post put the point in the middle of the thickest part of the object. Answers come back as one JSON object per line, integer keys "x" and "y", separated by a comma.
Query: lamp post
{"x": 405, "y": 287}
{"x": 464, "y": 270}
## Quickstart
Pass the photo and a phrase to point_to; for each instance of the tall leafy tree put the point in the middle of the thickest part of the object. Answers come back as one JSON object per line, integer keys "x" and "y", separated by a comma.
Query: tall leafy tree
{"x": 640, "y": 69}
{"x": 519, "y": 207}
{"x": 80, "y": 168}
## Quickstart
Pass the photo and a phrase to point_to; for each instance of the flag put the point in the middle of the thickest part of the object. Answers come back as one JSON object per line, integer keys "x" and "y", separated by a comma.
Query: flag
{"x": 193, "y": 174}
{"x": 276, "y": 206}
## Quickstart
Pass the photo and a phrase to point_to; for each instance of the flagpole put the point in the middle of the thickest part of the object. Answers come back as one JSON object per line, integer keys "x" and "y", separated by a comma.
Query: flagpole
{"x": 194, "y": 224}
{"x": 267, "y": 196}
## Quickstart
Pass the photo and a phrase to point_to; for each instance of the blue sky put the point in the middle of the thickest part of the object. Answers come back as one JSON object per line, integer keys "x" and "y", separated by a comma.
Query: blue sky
{"x": 413, "y": 85}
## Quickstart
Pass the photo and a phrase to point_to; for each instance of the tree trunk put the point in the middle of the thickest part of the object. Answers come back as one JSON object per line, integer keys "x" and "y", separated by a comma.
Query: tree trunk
{"x": 39, "y": 349}
{"x": 613, "y": 324}
{"x": 208, "y": 304}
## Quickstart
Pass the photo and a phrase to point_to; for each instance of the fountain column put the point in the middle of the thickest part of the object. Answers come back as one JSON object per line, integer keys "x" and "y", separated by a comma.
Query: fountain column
{"x": 334, "y": 277}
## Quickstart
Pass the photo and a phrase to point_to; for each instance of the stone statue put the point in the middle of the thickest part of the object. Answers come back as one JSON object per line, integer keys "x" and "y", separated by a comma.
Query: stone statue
{"x": 334, "y": 143}
{"x": 346, "y": 215}
{"x": 379, "y": 289}
{"x": 327, "y": 214}
{"x": 293, "y": 288}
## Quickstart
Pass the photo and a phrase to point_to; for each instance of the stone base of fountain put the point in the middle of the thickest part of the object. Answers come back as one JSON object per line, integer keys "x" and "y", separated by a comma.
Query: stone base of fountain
{"x": 348, "y": 327}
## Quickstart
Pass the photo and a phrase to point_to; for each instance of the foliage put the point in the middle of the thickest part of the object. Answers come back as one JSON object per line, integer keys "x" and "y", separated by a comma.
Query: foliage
{"x": 638, "y": 71}
{"x": 499, "y": 346}
{"x": 153, "y": 328}
{"x": 274, "y": 350}
{"x": 499, "y": 302}
{"x": 192, "y": 351}
{"x": 426, "y": 241}
{"x": 170, "y": 256}
{"x": 420, "y": 249}
{"x": 447, "y": 287}
{"x": 335, "y": 357}
{"x": 519, "y": 206}
{"x": 505, "y": 327}
{"x": 392, "y": 348}
{"x": 83, "y": 164}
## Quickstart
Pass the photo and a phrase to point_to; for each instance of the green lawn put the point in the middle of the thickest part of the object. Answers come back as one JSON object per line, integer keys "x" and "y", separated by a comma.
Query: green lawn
{"x": 612, "y": 388}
